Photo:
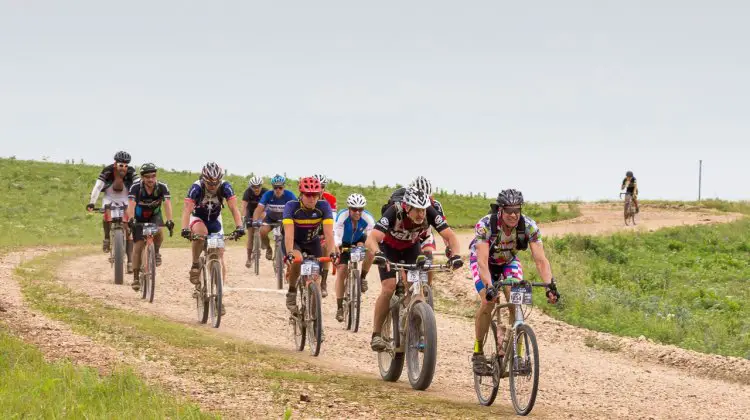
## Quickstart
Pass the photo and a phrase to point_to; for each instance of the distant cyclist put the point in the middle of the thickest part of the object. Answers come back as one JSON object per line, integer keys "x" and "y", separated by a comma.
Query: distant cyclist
{"x": 202, "y": 213}
{"x": 250, "y": 200}
{"x": 631, "y": 187}
{"x": 144, "y": 206}
{"x": 115, "y": 180}
{"x": 350, "y": 229}
{"x": 272, "y": 203}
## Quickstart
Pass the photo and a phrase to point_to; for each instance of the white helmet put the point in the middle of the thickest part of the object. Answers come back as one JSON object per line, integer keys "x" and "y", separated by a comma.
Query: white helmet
{"x": 322, "y": 178}
{"x": 212, "y": 170}
{"x": 255, "y": 181}
{"x": 356, "y": 200}
{"x": 416, "y": 198}
{"x": 422, "y": 183}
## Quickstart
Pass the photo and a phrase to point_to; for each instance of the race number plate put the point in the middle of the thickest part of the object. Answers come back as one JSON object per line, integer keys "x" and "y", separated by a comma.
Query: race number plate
{"x": 215, "y": 241}
{"x": 414, "y": 276}
{"x": 150, "y": 229}
{"x": 520, "y": 295}
{"x": 308, "y": 268}
{"x": 357, "y": 254}
{"x": 115, "y": 212}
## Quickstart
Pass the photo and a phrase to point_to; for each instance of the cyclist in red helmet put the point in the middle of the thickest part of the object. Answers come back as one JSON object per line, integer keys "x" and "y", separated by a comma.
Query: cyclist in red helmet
{"x": 303, "y": 221}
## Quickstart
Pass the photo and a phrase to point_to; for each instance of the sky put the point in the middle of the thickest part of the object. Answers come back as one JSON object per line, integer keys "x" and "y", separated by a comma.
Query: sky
{"x": 557, "y": 99}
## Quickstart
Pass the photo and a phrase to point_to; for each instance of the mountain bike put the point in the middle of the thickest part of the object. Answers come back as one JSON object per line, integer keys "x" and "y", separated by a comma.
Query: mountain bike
{"x": 409, "y": 328}
{"x": 629, "y": 209}
{"x": 353, "y": 287}
{"x": 522, "y": 368}
{"x": 208, "y": 292}
{"x": 118, "y": 233}
{"x": 255, "y": 254}
{"x": 308, "y": 321}
{"x": 147, "y": 276}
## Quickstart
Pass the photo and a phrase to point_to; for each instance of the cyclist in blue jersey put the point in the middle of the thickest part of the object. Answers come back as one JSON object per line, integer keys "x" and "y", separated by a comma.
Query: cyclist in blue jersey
{"x": 303, "y": 220}
{"x": 272, "y": 202}
{"x": 350, "y": 230}
{"x": 202, "y": 212}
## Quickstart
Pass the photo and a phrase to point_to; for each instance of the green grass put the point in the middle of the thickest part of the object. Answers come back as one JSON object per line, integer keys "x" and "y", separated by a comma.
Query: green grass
{"x": 687, "y": 286}
{"x": 44, "y": 203}
{"x": 187, "y": 349}
{"x": 33, "y": 388}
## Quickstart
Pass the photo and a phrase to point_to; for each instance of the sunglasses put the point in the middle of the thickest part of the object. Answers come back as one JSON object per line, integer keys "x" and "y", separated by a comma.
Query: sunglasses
{"x": 278, "y": 188}
{"x": 122, "y": 165}
{"x": 311, "y": 194}
{"x": 212, "y": 183}
{"x": 358, "y": 210}
{"x": 152, "y": 176}
{"x": 512, "y": 210}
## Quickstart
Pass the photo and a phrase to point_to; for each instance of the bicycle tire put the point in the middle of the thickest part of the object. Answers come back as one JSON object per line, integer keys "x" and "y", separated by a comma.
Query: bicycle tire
{"x": 216, "y": 294}
{"x": 355, "y": 302}
{"x": 201, "y": 303}
{"x": 524, "y": 331}
{"x": 119, "y": 255}
{"x": 490, "y": 398}
{"x": 420, "y": 377}
{"x": 256, "y": 251}
{"x": 391, "y": 365}
{"x": 314, "y": 319}
{"x": 151, "y": 283}
{"x": 278, "y": 263}
{"x": 299, "y": 328}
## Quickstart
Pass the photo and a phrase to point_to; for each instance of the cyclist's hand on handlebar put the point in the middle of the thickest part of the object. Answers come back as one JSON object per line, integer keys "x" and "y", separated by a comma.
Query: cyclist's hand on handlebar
{"x": 90, "y": 207}
{"x": 379, "y": 259}
{"x": 238, "y": 232}
{"x": 551, "y": 290}
{"x": 289, "y": 258}
{"x": 131, "y": 224}
{"x": 455, "y": 261}
{"x": 185, "y": 233}
{"x": 257, "y": 223}
{"x": 490, "y": 293}
{"x": 335, "y": 257}
{"x": 170, "y": 227}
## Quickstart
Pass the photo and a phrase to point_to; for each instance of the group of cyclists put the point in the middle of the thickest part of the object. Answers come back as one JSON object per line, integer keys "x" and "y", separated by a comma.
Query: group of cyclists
{"x": 311, "y": 224}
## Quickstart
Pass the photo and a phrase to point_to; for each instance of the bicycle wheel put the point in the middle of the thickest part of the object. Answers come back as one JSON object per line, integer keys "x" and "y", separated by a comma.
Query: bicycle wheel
{"x": 201, "y": 302}
{"x": 298, "y": 322}
{"x": 314, "y": 319}
{"x": 524, "y": 370}
{"x": 626, "y": 210}
{"x": 486, "y": 386}
{"x": 391, "y": 363}
{"x": 151, "y": 283}
{"x": 214, "y": 298}
{"x": 278, "y": 263}
{"x": 355, "y": 300}
{"x": 145, "y": 272}
{"x": 256, "y": 251}
{"x": 119, "y": 255}
{"x": 421, "y": 346}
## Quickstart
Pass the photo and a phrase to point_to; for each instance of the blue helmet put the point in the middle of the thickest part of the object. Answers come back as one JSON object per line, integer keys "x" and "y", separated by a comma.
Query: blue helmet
{"x": 278, "y": 181}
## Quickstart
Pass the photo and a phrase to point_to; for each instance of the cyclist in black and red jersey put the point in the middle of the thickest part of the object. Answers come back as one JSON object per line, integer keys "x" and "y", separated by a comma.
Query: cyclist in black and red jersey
{"x": 398, "y": 237}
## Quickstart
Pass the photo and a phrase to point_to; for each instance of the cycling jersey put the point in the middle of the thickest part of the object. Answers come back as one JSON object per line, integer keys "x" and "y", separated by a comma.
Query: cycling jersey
{"x": 401, "y": 232}
{"x": 344, "y": 231}
{"x": 331, "y": 199}
{"x": 307, "y": 222}
{"x": 505, "y": 245}
{"x": 252, "y": 200}
{"x": 631, "y": 186}
{"x": 274, "y": 206}
{"x": 148, "y": 205}
{"x": 208, "y": 206}
{"x": 105, "y": 182}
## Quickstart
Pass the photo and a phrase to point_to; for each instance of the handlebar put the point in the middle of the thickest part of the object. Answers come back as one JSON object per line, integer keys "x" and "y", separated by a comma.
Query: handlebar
{"x": 196, "y": 237}
{"x": 426, "y": 266}
{"x": 503, "y": 283}
{"x": 318, "y": 259}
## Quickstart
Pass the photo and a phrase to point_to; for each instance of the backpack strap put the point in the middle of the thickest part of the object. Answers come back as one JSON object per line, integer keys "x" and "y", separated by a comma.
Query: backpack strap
{"x": 522, "y": 238}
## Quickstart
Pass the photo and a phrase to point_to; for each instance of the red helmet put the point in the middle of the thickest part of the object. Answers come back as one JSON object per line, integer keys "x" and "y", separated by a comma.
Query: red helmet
{"x": 310, "y": 185}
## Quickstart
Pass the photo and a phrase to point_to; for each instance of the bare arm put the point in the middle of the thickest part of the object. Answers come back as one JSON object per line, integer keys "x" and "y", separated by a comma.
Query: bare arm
{"x": 288, "y": 235}
{"x": 232, "y": 203}
{"x": 373, "y": 241}
{"x": 452, "y": 239}
{"x": 244, "y": 207}
{"x": 168, "y": 208}
{"x": 542, "y": 264}
{"x": 131, "y": 209}
{"x": 483, "y": 257}
{"x": 259, "y": 211}
{"x": 186, "y": 210}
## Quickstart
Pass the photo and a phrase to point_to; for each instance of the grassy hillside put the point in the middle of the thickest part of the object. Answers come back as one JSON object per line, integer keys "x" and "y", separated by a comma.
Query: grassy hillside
{"x": 44, "y": 203}
{"x": 687, "y": 286}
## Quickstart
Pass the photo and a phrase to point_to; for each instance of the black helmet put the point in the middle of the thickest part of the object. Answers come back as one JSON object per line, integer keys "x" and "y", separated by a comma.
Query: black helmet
{"x": 509, "y": 197}
{"x": 629, "y": 173}
{"x": 148, "y": 168}
{"x": 122, "y": 156}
